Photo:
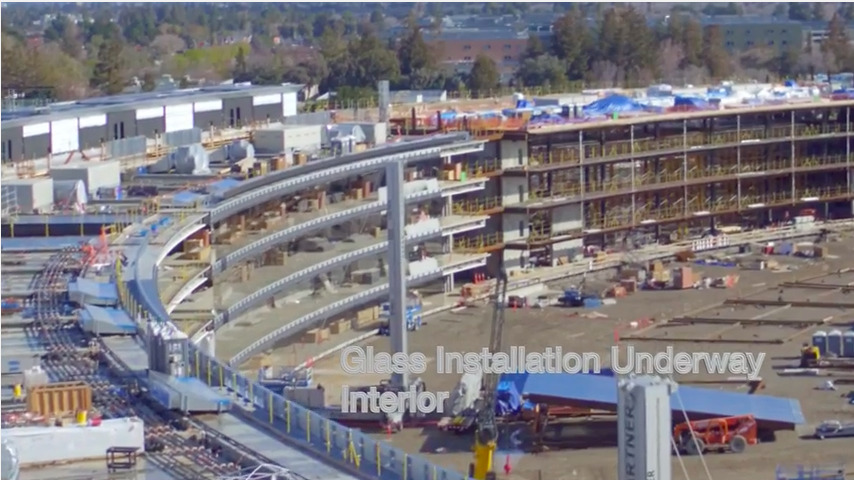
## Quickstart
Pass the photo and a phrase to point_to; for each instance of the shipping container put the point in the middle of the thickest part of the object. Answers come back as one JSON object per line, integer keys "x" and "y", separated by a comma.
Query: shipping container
{"x": 59, "y": 399}
{"x": 31, "y": 194}
{"x": 47, "y": 445}
{"x": 94, "y": 175}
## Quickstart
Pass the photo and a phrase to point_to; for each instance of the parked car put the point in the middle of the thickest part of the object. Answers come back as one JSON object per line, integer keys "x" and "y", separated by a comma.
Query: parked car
{"x": 834, "y": 429}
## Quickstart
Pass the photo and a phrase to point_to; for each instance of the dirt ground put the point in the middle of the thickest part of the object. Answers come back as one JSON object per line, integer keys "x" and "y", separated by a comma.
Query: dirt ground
{"x": 569, "y": 328}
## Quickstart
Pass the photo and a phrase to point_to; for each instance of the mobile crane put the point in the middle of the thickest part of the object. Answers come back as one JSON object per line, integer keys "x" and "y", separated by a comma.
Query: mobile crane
{"x": 486, "y": 435}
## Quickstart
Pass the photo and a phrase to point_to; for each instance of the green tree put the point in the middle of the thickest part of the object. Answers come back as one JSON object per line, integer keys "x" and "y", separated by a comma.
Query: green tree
{"x": 545, "y": 70}
{"x": 240, "y": 68}
{"x": 108, "y": 72}
{"x": 370, "y": 60}
{"x": 716, "y": 57}
{"x": 534, "y": 48}
{"x": 837, "y": 44}
{"x": 799, "y": 12}
{"x": 571, "y": 42}
{"x": 484, "y": 74}
{"x": 787, "y": 62}
{"x": 692, "y": 42}
{"x": 414, "y": 54}
{"x": 149, "y": 81}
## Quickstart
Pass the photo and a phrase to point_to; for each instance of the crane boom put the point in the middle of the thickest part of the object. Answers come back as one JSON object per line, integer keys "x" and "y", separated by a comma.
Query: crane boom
{"x": 487, "y": 431}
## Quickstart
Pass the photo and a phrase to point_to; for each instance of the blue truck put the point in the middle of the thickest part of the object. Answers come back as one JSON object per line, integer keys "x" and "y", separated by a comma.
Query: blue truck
{"x": 413, "y": 316}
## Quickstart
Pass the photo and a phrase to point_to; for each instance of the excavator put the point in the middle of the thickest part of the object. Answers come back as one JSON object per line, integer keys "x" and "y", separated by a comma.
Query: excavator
{"x": 486, "y": 433}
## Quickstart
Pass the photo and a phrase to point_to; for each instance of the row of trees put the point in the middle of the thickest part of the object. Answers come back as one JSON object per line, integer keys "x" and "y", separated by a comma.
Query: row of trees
{"x": 614, "y": 46}
{"x": 624, "y": 50}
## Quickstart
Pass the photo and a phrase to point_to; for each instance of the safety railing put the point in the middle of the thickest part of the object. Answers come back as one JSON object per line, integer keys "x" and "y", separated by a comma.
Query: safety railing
{"x": 807, "y": 162}
{"x": 611, "y": 185}
{"x": 325, "y": 312}
{"x": 269, "y": 241}
{"x": 829, "y": 192}
{"x": 569, "y": 154}
{"x": 623, "y": 183}
{"x": 476, "y": 206}
{"x": 322, "y": 436}
{"x": 482, "y": 168}
{"x": 482, "y": 243}
{"x": 752, "y": 200}
{"x": 257, "y": 297}
{"x": 558, "y": 190}
{"x": 562, "y": 156}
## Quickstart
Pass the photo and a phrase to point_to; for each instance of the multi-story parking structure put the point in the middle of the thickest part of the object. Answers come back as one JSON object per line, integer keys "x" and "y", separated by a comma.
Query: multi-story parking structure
{"x": 615, "y": 183}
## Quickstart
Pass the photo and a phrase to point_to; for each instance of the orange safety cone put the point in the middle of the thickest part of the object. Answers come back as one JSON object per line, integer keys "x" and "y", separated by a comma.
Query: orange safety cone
{"x": 616, "y": 335}
{"x": 507, "y": 466}
{"x": 388, "y": 430}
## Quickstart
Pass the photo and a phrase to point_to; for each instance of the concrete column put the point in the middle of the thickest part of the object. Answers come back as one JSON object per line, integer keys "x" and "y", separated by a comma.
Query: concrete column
{"x": 397, "y": 265}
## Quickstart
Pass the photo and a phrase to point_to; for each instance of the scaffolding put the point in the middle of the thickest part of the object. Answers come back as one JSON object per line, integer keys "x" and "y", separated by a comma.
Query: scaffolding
{"x": 476, "y": 206}
{"x": 9, "y": 202}
{"x": 481, "y": 243}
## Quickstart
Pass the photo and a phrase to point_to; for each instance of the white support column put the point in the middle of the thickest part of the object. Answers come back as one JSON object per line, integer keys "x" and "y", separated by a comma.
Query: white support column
{"x": 792, "y": 160}
{"x": 738, "y": 161}
{"x": 397, "y": 265}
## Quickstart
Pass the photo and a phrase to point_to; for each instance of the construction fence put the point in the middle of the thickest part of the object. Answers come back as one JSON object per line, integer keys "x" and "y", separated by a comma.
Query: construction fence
{"x": 323, "y": 436}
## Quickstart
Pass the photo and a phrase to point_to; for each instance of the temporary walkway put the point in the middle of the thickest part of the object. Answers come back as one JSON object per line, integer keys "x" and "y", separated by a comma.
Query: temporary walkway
{"x": 600, "y": 392}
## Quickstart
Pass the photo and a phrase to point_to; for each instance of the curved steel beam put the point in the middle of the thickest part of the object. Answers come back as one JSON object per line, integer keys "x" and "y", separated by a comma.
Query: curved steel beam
{"x": 283, "y": 236}
{"x": 286, "y": 187}
{"x": 257, "y": 297}
{"x": 327, "y": 163}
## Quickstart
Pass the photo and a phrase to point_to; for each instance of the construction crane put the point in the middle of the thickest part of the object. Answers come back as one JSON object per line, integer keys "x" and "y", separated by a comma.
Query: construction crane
{"x": 486, "y": 436}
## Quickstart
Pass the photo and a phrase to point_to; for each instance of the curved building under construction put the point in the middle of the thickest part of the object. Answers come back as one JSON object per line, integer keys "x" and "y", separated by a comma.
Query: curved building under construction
{"x": 624, "y": 182}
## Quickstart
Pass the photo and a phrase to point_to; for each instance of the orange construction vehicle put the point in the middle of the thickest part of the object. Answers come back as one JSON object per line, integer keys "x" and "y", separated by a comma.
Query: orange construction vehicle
{"x": 725, "y": 434}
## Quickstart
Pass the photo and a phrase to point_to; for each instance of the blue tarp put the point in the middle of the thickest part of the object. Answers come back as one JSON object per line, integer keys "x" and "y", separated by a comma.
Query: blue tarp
{"x": 223, "y": 185}
{"x": 186, "y": 197}
{"x": 612, "y": 104}
{"x": 693, "y": 102}
{"x": 507, "y": 401}
{"x": 844, "y": 93}
{"x": 448, "y": 115}
{"x": 600, "y": 392}
{"x": 791, "y": 83}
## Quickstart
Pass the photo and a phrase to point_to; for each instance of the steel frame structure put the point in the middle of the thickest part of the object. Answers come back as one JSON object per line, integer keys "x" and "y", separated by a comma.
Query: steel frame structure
{"x": 647, "y": 172}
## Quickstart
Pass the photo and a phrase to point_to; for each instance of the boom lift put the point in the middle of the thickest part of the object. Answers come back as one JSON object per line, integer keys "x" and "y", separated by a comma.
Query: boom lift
{"x": 486, "y": 436}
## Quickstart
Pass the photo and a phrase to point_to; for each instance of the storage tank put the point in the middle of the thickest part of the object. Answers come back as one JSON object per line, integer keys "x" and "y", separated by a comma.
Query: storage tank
{"x": 848, "y": 344}
{"x": 834, "y": 343}
{"x": 819, "y": 339}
